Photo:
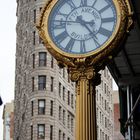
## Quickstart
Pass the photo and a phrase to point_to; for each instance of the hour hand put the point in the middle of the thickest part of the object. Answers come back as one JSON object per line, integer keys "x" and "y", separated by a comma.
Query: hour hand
{"x": 84, "y": 23}
{"x": 79, "y": 19}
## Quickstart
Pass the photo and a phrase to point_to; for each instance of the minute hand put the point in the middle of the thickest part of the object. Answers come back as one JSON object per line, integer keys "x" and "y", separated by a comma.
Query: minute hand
{"x": 82, "y": 22}
{"x": 68, "y": 21}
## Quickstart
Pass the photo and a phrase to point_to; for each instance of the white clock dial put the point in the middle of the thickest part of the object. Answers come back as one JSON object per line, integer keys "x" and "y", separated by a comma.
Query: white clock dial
{"x": 82, "y": 26}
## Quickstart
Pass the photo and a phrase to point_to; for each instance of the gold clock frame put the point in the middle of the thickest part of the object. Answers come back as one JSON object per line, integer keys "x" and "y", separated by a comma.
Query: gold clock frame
{"x": 123, "y": 16}
{"x": 83, "y": 69}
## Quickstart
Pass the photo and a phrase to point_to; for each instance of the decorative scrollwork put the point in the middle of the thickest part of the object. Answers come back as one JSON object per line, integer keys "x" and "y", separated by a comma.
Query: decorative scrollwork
{"x": 89, "y": 65}
{"x": 77, "y": 73}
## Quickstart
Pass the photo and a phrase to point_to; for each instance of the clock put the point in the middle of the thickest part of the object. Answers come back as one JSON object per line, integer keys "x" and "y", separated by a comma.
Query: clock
{"x": 79, "y": 28}
{"x": 83, "y": 28}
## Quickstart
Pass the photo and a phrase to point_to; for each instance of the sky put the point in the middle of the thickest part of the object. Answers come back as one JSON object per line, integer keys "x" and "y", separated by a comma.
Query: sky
{"x": 7, "y": 52}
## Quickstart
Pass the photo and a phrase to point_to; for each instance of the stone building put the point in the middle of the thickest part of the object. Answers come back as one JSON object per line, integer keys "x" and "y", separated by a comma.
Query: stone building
{"x": 8, "y": 121}
{"x": 44, "y": 95}
{"x": 104, "y": 107}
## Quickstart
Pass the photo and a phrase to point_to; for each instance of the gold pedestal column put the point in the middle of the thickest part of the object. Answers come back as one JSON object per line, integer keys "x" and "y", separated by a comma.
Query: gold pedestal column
{"x": 86, "y": 80}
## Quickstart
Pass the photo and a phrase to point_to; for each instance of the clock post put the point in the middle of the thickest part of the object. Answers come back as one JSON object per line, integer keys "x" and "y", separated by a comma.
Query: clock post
{"x": 84, "y": 35}
{"x": 86, "y": 79}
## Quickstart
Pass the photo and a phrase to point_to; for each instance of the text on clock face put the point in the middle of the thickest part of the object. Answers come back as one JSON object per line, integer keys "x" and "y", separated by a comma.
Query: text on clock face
{"x": 82, "y": 26}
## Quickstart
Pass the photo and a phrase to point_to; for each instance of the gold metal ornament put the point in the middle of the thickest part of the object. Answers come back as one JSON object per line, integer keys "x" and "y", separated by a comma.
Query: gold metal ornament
{"x": 124, "y": 21}
{"x": 84, "y": 68}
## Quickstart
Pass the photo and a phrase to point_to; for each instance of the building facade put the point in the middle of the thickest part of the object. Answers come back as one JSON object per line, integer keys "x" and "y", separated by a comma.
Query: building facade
{"x": 117, "y": 133}
{"x": 8, "y": 121}
{"x": 104, "y": 107}
{"x": 44, "y": 94}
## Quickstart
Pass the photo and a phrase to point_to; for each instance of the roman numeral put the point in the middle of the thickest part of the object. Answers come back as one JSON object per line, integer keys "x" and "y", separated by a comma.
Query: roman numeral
{"x": 83, "y": 3}
{"x": 95, "y": 41}
{"x": 59, "y": 24}
{"x": 94, "y": 3}
{"x": 105, "y": 32}
{"x": 111, "y": 19}
{"x": 72, "y": 5}
{"x": 82, "y": 47}
{"x": 103, "y": 9}
{"x": 70, "y": 45}
{"x": 61, "y": 36}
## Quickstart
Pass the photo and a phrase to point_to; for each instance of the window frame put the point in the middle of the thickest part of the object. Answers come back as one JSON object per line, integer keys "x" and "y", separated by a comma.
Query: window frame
{"x": 41, "y": 110}
{"x": 42, "y": 82}
{"x": 39, "y": 133}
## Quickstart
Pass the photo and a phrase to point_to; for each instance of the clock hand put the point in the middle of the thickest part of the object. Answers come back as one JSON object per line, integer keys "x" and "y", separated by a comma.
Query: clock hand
{"x": 82, "y": 22}
{"x": 91, "y": 23}
{"x": 64, "y": 21}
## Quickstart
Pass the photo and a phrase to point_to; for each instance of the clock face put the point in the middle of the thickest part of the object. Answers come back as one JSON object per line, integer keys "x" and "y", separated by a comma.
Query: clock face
{"x": 81, "y": 27}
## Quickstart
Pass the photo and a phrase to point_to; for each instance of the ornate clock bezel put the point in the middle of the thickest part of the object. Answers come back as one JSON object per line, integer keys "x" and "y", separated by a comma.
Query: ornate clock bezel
{"x": 124, "y": 21}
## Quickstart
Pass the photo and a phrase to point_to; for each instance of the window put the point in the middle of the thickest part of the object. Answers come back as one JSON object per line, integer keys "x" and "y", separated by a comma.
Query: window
{"x": 23, "y": 117}
{"x": 100, "y": 99}
{"x": 60, "y": 109}
{"x": 105, "y": 122}
{"x": 100, "y": 118}
{"x": 33, "y": 84}
{"x": 63, "y": 93}
{"x": 105, "y": 88}
{"x": 24, "y": 99}
{"x": 41, "y": 107}
{"x": 51, "y": 108}
{"x": 100, "y": 134}
{"x": 26, "y": 18}
{"x": 52, "y": 62}
{"x": 97, "y": 132}
{"x": 40, "y": 40}
{"x": 63, "y": 136}
{"x": 105, "y": 105}
{"x": 42, "y": 59}
{"x": 24, "y": 79}
{"x": 51, "y": 132}
{"x": 41, "y": 82}
{"x": 40, "y": 9}
{"x": 31, "y": 132}
{"x": 68, "y": 79}
{"x": 34, "y": 34}
{"x": 102, "y": 84}
{"x": 105, "y": 136}
{"x": 105, "y": 72}
{"x": 52, "y": 84}
{"x": 64, "y": 116}
{"x": 68, "y": 97}
{"x": 32, "y": 108}
{"x": 59, "y": 89}
{"x": 97, "y": 95}
{"x": 63, "y": 72}
{"x": 41, "y": 131}
{"x": 72, "y": 101}
{"x": 68, "y": 121}
{"x": 72, "y": 123}
{"x": 34, "y": 15}
{"x": 97, "y": 110}
{"x": 33, "y": 60}
{"x": 59, "y": 135}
